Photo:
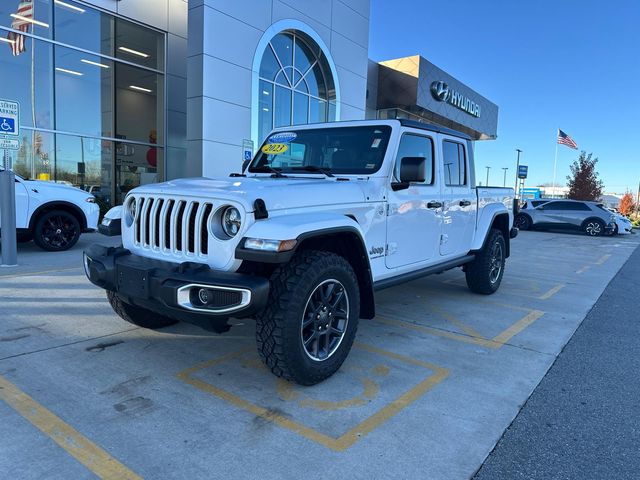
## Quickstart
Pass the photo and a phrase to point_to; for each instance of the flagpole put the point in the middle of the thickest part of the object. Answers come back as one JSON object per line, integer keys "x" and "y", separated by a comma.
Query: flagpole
{"x": 555, "y": 163}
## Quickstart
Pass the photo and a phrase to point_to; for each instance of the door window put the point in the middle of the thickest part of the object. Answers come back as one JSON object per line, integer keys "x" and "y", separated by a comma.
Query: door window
{"x": 416, "y": 146}
{"x": 455, "y": 164}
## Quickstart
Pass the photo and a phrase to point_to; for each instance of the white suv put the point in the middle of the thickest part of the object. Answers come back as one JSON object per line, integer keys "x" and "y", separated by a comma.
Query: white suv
{"x": 53, "y": 215}
{"x": 322, "y": 217}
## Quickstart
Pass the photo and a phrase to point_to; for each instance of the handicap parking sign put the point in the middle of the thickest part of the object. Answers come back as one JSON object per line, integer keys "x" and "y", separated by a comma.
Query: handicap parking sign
{"x": 7, "y": 125}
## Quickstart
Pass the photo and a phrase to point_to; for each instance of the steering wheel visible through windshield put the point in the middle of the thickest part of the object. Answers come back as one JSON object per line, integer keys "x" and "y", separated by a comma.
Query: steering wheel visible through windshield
{"x": 338, "y": 150}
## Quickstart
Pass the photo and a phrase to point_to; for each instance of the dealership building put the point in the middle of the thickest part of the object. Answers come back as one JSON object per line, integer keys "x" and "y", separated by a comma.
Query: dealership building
{"x": 118, "y": 93}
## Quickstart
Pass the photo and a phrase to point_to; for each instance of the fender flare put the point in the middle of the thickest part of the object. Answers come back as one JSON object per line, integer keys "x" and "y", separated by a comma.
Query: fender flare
{"x": 62, "y": 205}
{"x": 485, "y": 221}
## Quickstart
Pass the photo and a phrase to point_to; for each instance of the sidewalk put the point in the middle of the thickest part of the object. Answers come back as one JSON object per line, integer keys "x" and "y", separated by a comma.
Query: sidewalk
{"x": 583, "y": 421}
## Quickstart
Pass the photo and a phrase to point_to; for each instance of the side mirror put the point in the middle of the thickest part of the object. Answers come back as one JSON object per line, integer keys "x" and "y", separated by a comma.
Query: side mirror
{"x": 412, "y": 170}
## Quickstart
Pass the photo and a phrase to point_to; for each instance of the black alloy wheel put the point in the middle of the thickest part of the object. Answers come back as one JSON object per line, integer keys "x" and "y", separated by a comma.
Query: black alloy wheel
{"x": 57, "y": 231}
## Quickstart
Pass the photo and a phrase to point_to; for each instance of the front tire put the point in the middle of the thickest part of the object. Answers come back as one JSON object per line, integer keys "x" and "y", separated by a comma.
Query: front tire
{"x": 594, "y": 228}
{"x": 306, "y": 331}
{"x": 56, "y": 231}
{"x": 138, "y": 316}
{"x": 484, "y": 274}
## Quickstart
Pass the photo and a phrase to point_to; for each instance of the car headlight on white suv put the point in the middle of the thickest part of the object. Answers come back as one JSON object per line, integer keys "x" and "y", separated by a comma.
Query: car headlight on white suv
{"x": 131, "y": 210}
{"x": 231, "y": 221}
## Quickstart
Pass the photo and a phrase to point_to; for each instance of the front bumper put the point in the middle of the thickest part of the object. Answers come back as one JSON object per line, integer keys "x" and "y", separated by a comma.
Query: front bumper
{"x": 190, "y": 292}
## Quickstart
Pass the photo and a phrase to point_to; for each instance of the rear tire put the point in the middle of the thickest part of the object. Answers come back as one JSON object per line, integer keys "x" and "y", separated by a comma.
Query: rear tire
{"x": 307, "y": 329}
{"x": 484, "y": 274}
{"x": 138, "y": 316}
{"x": 594, "y": 228}
{"x": 56, "y": 231}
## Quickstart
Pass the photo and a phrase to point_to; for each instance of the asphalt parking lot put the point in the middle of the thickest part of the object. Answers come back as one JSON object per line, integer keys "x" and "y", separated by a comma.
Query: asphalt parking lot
{"x": 427, "y": 392}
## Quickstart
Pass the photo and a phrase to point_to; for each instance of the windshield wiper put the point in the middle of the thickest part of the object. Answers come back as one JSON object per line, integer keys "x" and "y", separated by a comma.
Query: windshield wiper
{"x": 276, "y": 172}
{"x": 315, "y": 168}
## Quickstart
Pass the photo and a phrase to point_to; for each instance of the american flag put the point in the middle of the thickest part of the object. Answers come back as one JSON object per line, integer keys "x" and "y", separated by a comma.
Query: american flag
{"x": 565, "y": 139}
{"x": 20, "y": 22}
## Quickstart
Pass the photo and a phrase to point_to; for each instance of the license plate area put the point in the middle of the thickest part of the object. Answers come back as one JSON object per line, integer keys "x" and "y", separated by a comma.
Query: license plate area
{"x": 133, "y": 281}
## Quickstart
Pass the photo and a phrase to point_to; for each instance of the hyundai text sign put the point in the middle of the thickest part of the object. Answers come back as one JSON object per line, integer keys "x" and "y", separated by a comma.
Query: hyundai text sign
{"x": 9, "y": 125}
{"x": 443, "y": 93}
{"x": 523, "y": 170}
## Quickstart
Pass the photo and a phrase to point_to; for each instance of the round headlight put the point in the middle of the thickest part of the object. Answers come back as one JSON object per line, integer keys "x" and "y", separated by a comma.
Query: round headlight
{"x": 131, "y": 210}
{"x": 231, "y": 221}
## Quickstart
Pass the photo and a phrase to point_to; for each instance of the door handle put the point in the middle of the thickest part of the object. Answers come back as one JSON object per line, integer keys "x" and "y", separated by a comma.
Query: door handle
{"x": 465, "y": 203}
{"x": 434, "y": 205}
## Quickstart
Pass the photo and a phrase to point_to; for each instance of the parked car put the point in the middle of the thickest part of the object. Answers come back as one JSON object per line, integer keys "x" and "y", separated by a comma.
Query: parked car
{"x": 322, "y": 217}
{"x": 53, "y": 215}
{"x": 590, "y": 217}
{"x": 623, "y": 224}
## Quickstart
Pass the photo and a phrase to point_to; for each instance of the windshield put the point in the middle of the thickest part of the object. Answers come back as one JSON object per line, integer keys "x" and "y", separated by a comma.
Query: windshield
{"x": 339, "y": 150}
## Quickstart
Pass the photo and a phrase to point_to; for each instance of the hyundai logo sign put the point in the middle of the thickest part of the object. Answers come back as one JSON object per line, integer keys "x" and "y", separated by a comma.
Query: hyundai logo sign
{"x": 443, "y": 93}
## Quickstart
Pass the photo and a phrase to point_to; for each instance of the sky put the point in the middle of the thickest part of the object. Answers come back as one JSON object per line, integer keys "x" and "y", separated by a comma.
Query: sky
{"x": 573, "y": 65}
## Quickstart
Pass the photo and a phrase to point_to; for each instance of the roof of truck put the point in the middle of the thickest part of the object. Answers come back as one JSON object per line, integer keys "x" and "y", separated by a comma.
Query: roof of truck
{"x": 433, "y": 128}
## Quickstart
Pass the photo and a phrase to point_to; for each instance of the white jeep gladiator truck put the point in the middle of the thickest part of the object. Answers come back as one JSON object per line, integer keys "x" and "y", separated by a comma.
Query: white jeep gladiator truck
{"x": 322, "y": 217}
{"x": 53, "y": 215}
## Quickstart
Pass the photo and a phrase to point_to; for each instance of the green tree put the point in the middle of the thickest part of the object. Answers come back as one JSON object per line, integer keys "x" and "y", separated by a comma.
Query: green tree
{"x": 583, "y": 182}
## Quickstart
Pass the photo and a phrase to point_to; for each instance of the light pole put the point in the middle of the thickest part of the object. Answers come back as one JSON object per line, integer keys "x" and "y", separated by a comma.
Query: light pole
{"x": 504, "y": 181}
{"x": 488, "y": 168}
{"x": 517, "y": 168}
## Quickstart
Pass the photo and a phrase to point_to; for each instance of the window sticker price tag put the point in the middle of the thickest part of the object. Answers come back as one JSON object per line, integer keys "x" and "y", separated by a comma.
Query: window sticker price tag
{"x": 274, "y": 148}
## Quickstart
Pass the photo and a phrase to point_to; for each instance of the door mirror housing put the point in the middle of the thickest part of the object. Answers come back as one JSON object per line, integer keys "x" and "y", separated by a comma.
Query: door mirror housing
{"x": 412, "y": 170}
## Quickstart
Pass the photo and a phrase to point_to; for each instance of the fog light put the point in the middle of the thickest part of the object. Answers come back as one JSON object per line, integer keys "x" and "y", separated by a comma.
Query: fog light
{"x": 204, "y": 296}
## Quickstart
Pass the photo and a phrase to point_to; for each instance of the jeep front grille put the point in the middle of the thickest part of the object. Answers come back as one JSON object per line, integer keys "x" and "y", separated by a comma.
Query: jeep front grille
{"x": 172, "y": 225}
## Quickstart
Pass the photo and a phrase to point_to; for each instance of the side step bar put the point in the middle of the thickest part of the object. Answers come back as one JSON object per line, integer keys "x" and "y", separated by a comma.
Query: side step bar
{"x": 407, "y": 277}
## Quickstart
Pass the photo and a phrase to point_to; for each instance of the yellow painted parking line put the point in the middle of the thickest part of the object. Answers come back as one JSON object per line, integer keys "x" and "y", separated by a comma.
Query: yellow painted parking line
{"x": 551, "y": 292}
{"x": 454, "y": 321}
{"x": 42, "y": 272}
{"x": 583, "y": 269}
{"x": 496, "y": 342}
{"x": 67, "y": 437}
{"x": 350, "y": 437}
{"x": 603, "y": 259}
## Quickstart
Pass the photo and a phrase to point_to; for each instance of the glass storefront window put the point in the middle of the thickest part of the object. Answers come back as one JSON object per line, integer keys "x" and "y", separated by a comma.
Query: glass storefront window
{"x": 36, "y": 156}
{"x": 83, "y": 27}
{"x": 138, "y": 44}
{"x": 27, "y": 16}
{"x": 83, "y": 92}
{"x": 139, "y": 104}
{"x": 136, "y": 165}
{"x": 26, "y": 78}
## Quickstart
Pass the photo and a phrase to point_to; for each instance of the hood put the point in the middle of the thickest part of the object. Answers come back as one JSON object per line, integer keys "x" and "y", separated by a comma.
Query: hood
{"x": 57, "y": 188}
{"x": 277, "y": 193}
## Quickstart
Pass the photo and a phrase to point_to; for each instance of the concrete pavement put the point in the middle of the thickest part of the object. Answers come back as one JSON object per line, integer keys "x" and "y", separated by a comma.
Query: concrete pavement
{"x": 428, "y": 391}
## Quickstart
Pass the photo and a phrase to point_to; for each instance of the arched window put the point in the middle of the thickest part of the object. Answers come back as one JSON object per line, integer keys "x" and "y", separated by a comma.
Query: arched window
{"x": 295, "y": 83}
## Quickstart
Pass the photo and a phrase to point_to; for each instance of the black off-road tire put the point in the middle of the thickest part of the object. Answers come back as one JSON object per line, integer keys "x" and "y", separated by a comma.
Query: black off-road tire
{"x": 481, "y": 274}
{"x": 45, "y": 236}
{"x": 523, "y": 222}
{"x": 279, "y": 334}
{"x": 137, "y": 315}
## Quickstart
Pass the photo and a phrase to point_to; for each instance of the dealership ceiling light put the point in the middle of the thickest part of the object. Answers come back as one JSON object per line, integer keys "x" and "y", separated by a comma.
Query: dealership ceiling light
{"x": 69, "y": 6}
{"x": 70, "y": 72}
{"x": 96, "y": 64}
{"x": 29, "y": 20}
{"x": 134, "y": 52}
{"x": 140, "y": 89}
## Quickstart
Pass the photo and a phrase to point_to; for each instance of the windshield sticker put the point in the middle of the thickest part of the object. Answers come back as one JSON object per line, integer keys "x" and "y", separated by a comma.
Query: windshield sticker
{"x": 376, "y": 142}
{"x": 370, "y": 165}
{"x": 283, "y": 137}
{"x": 274, "y": 148}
